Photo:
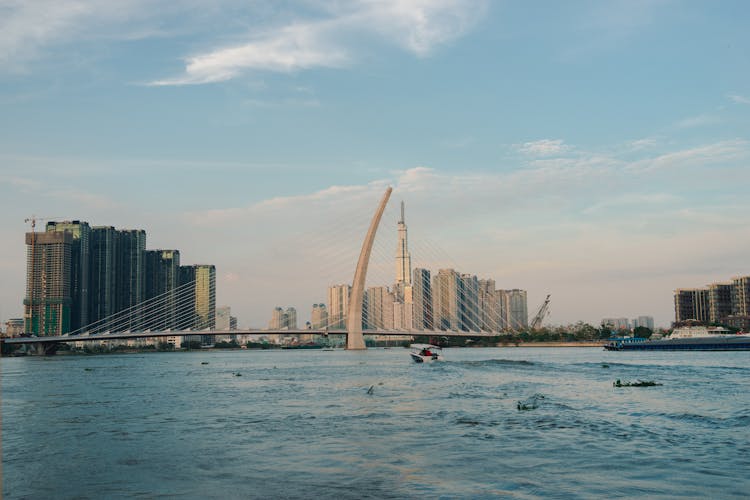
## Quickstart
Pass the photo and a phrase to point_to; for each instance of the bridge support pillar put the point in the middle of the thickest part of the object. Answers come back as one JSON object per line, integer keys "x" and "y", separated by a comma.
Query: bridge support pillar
{"x": 354, "y": 338}
{"x": 42, "y": 349}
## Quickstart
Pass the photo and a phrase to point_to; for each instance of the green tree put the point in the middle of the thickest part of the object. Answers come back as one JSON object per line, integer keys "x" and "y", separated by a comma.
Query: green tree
{"x": 643, "y": 332}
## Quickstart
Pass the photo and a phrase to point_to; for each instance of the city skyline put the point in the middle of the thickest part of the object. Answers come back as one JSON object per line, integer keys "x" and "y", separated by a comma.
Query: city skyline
{"x": 594, "y": 153}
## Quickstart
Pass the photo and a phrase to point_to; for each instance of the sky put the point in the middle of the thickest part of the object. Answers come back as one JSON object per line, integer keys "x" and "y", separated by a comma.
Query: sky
{"x": 595, "y": 151}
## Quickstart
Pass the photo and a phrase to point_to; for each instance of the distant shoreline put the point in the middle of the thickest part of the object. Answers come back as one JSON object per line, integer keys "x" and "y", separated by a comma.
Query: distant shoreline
{"x": 555, "y": 344}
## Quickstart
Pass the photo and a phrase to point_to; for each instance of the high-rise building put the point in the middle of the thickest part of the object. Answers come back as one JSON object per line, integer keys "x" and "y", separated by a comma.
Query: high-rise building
{"x": 691, "y": 304}
{"x": 502, "y": 304}
{"x": 205, "y": 296}
{"x": 185, "y": 316}
{"x": 14, "y": 327}
{"x": 469, "y": 303}
{"x": 130, "y": 274}
{"x": 79, "y": 268}
{"x": 403, "y": 292}
{"x": 338, "y": 305}
{"x": 489, "y": 320}
{"x": 162, "y": 268}
{"x": 283, "y": 319}
{"x": 643, "y": 321}
{"x": 47, "y": 306}
{"x": 291, "y": 318}
{"x": 380, "y": 303}
{"x": 518, "y": 315}
{"x": 616, "y": 323}
{"x": 103, "y": 301}
{"x": 278, "y": 319}
{"x": 319, "y": 317}
{"x": 741, "y": 296}
{"x": 403, "y": 258}
{"x": 422, "y": 299}
{"x": 223, "y": 317}
{"x": 719, "y": 301}
{"x": 445, "y": 299}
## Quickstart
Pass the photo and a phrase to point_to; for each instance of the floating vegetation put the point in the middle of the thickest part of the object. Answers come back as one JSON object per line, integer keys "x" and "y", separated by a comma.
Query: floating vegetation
{"x": 204, "y": 362}
{"x": 88, "y": 369}
{"x": 637, "y": 383}
{"x": 530, "y": 404}
{"x": 604, "y": 365}
{"x": 238, "y": 374}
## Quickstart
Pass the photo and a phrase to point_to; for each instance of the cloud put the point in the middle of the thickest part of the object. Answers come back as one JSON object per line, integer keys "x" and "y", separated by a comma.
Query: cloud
{"x": 698, "y": 121}
{"x": 711, "y": 154}
{"x": 645, "y": 143}
{"x": 543, "y": 147}
{"x": 632, "y": 200}
{"x": 417, "y": 26}
{"x": 739, "y": 99}
{"x": 30, "y": 28}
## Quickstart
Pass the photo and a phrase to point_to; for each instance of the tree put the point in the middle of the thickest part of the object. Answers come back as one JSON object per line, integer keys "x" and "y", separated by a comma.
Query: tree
{"x": 642, "y": 331}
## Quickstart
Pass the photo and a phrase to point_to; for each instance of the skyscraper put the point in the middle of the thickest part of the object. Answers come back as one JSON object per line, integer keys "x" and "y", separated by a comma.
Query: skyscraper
{"x": 403, "y": 293}
{"x": 469, "y": 303}
{"x": 445, "y": 299}
{"x": 102, "y": 273}
{"x": 162, "y": 268}
{"x": 205, "y": 296}
{"x": 488, "y": 308}
{"x": 319, "y": 317}
{"x": 291, "y": 318}
{"x": 185, "y": 316}
{"x": 47, "y": 306}
{"x": 719, "y": 301}
{"x": 278, "y": 319}
{"x": 501, "y": 302}
{"x": 380, "y": 303}
{"x": 691, "y": 304}
{"x": 518, "y": 314}
{"x": 79, "y": 268}
{"x": 741, "y": 296}
{"x": 422, "y": 299}
{"x": 338, "y": 305}
{"x": 403, "y": 258}
{"x": 130, "y": 279}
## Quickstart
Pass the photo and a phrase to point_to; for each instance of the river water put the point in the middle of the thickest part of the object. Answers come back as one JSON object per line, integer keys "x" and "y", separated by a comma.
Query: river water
{"x": 301, "y": 424}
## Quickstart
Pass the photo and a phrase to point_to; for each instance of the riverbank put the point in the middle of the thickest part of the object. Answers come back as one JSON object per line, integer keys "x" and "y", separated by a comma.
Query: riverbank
{"x": 595, "y": 343}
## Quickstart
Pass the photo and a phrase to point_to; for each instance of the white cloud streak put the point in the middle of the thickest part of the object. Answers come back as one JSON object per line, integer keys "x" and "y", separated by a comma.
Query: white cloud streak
{"x": 543, "y": 147}
{"x": 739, "y": 99}
{"x": 417, "y": 26}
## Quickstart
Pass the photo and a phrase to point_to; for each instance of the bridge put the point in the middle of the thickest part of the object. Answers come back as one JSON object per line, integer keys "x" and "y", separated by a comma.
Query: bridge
{"x": 137, "y": 322}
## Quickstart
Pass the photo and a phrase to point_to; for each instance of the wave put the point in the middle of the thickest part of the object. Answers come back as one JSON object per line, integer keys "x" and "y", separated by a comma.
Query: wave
{"x": 495, "y": 362}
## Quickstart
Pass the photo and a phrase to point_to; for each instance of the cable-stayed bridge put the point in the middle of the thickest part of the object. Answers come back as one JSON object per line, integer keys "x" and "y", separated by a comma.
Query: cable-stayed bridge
{"x": 179, "y": 313}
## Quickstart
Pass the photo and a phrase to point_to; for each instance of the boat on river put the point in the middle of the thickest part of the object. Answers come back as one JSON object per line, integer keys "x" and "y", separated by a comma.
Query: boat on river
{"x": 425, "y": 353}
{"x": 688, "y": 338}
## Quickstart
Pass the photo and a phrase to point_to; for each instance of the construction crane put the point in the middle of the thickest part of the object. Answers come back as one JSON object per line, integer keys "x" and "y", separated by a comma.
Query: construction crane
{"x": 536, "y": 323}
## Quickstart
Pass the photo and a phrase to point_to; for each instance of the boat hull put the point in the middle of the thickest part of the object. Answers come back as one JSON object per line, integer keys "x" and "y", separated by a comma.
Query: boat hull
{"x": 424, "y": 359}
{"x": 694, "y": 344}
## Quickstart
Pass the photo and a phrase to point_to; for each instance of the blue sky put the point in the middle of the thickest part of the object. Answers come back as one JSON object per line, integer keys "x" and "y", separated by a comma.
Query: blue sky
{"x": 597, "y": 151}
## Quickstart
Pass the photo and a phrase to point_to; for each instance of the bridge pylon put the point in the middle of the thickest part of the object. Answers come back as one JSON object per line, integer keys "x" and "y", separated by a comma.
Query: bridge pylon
{"x": 354, "y": 338}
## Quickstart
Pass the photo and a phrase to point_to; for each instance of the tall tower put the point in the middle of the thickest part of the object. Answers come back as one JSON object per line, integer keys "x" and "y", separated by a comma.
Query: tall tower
{"x": 403, "y": 305}
{"x": 403, "y": 259}
{"x": 79, "y": 268}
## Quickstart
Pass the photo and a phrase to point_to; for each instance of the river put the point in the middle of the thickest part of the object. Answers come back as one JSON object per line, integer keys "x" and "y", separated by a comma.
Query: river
{"x": 304, "y": 424}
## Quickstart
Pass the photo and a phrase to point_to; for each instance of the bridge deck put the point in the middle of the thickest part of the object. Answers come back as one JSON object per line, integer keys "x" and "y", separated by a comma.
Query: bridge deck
{"x": 183, "y": 333}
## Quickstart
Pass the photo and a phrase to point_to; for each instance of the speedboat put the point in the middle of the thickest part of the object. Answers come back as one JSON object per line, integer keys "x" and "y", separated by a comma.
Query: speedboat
{"x": 425, "y": 353}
